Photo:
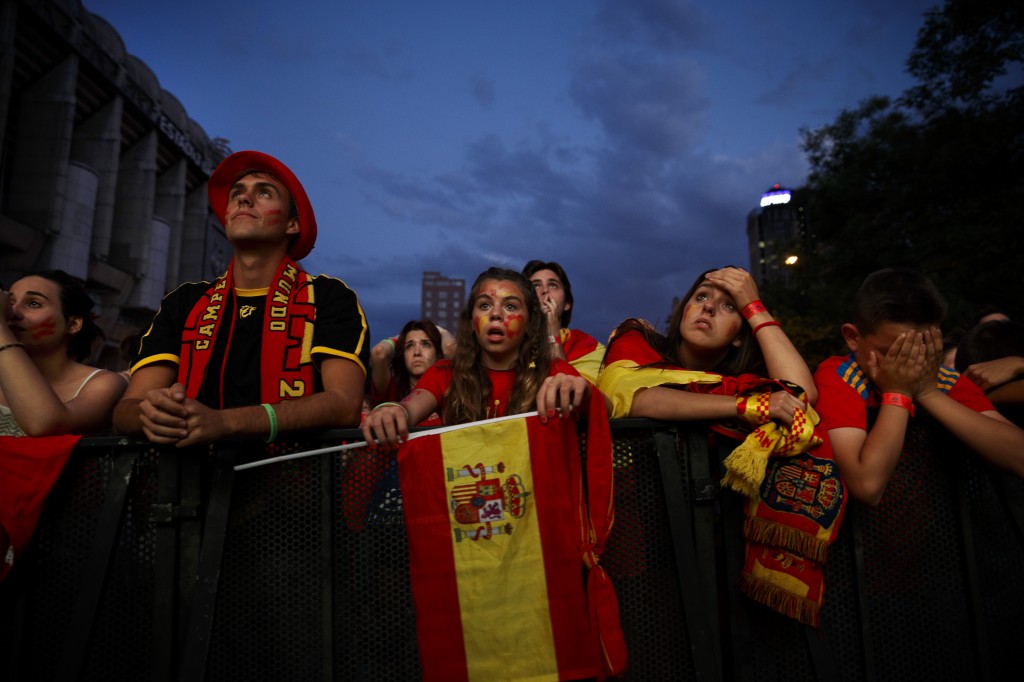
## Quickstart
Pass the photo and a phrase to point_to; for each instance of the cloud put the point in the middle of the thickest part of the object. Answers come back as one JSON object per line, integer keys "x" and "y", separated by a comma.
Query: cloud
{"x": 349, "y": 143}
{"x": 421, "y": 201}
{"x": 387, "y": 63}
{"x": 662, "y": 23}
{"x": 482, "y": 90}
{"x": 645, "y": 102}
{"x": 633, "y": 214}
{"x": 798, "y": 81}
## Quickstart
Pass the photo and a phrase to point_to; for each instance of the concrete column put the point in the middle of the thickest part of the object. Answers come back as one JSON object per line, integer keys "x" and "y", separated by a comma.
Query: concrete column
{"x": 42, "y": 148}
{"x": 149, "y": 288}
{"x": 170, "y": 206}
{"x": 133, "y": 207}
{"x": 97, "y": 144}
{"x": 205, "y": 250}
{"x": 68, "y": 250}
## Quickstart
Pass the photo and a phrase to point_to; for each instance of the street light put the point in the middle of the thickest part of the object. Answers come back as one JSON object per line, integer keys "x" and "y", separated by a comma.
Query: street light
{"x": 791, "y": 260}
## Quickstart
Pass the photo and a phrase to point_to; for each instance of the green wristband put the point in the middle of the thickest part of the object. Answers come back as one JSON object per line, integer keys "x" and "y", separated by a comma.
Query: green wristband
{"x": 273, "y": 422}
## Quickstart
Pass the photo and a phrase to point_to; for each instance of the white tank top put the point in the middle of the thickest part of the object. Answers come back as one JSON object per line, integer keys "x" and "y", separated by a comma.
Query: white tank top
{"x": 8, "y": 425}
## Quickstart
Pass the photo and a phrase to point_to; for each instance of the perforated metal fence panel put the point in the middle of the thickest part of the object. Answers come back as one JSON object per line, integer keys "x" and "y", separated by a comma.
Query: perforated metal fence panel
{"x": 162, "y": 565}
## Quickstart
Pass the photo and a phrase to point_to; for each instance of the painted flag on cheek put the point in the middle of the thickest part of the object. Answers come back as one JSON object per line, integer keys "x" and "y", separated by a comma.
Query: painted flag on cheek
{"x": 499, "y": 535}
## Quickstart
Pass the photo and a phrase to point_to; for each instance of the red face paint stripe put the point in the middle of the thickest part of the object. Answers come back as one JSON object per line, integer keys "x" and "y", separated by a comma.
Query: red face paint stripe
{"x": 44, "y": 329}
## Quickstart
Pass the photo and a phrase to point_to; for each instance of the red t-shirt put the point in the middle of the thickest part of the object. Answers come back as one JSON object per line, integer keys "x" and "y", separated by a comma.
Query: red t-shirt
{"x": 390, "y": 394}
{"x": 633, "y": 346}
{"x": 845, "y": 394}
{"x": 438, "y": 378}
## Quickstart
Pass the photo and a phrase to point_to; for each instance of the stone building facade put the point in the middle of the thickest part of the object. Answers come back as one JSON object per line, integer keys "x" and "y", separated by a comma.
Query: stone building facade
{"x": 102, "y": 172}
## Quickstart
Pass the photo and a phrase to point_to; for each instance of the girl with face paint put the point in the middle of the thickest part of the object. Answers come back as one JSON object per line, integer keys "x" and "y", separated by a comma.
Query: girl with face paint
{"x": 46, "y": 330}
{"x": 719, "y": 327}
{"x": 502, "y": 365}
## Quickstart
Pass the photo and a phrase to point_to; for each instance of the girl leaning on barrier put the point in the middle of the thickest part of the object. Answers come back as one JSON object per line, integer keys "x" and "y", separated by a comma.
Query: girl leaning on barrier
{"x": 46, "y": 331}
{"x": 726, "y": 361}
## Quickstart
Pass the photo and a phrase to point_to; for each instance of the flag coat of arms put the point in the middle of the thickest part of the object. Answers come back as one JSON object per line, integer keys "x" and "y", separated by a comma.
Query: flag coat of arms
{"x": 499, "y": 533}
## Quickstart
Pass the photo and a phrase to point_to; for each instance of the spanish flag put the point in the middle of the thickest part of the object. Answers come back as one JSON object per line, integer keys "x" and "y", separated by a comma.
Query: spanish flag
{"x": 499, "y": 534}
{"x": 29, "y": 468}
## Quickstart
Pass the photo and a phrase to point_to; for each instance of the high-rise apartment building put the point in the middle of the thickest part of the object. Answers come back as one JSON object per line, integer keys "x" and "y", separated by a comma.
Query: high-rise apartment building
{"x": 442, "y": 300}
{"x": 776, "y": 232}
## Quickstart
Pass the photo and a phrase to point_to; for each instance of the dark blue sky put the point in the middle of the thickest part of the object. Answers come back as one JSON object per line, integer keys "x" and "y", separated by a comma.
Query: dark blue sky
{"x": 626, "y": 139}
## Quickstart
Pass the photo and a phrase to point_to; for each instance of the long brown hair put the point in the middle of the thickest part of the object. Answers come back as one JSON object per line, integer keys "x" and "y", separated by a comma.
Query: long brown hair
{"x": 742, "y": 359}
{"x": 466, "y": 398}
{"x": 403, "y": 380}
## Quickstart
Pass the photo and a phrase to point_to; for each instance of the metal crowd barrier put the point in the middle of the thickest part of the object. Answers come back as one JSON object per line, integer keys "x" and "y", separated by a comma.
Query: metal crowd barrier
{"x": 160, "y": 564}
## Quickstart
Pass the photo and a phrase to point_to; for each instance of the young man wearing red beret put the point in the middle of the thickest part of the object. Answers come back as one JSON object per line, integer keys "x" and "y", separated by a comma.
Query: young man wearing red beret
{"x": 264, "y": 349}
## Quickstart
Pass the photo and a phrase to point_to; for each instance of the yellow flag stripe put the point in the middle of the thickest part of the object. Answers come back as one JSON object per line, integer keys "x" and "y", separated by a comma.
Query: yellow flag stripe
{"x": 502, "y": 585}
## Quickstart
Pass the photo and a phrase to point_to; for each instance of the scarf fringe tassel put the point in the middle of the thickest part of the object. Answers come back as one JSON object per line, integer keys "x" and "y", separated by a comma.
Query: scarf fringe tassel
{"x": 777, "y": 535}
{"x": 777, "y": 599}
{"x": 745, "y": 468}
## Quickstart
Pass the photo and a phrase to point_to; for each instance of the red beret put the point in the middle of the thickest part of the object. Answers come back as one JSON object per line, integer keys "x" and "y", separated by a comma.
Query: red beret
{"x": 238, "y": 164}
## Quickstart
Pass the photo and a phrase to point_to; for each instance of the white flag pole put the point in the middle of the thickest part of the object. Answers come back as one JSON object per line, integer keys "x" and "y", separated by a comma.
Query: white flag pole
{"x": 363, "y": 443}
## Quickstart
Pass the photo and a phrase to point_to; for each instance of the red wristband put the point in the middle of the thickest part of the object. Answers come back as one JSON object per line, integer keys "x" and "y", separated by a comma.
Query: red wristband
{"x": 753, "y": 308}
{"x": 769, "y": 323}
{"x": 899, "y": 400}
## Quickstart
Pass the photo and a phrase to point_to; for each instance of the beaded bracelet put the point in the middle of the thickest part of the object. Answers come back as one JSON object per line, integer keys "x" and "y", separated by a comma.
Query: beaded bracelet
{"x": 389, "y": 403}
{"x": 753, "y": 308}
{"x": 272, "y": 415}
{"x": 899, "y": 400}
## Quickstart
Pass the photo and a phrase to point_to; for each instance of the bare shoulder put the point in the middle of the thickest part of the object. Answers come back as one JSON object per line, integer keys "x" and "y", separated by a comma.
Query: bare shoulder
{"x": 101, "y": 384}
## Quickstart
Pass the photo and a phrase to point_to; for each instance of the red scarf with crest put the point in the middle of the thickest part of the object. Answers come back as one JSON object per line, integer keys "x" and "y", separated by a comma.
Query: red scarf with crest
{"x": 286, "y": 369}
{"x": 795, "y": 499}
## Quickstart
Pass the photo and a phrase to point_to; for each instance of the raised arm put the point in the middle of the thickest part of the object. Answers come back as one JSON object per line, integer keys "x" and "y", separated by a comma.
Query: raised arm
{"x": 1010, "y": 393}
{"x": 38, "y": 409}
{"x": 35, "y": 404}
{"x": 867, "y": 459}
{"x": 781, "y": 357}
{"x": 988, "y": 433}
{"x": 989, "y": 375}
{"x": 380, "y": 365}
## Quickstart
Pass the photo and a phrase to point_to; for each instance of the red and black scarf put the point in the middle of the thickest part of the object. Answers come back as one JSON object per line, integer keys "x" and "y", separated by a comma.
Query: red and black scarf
{"x": 286, "y": 370}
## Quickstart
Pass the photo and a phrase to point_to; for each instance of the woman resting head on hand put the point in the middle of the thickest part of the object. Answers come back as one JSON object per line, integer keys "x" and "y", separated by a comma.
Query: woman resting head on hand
{"x": 46, "y": 331}
{"x": 720, "y": 327}
{"x": 397, "y": 363}
{"x": 501, "y": 366}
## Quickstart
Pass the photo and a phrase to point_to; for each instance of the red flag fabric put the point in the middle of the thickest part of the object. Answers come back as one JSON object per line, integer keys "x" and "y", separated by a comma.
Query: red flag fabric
{"x": 498, "y": 528}
{"x": 29, "y": 468}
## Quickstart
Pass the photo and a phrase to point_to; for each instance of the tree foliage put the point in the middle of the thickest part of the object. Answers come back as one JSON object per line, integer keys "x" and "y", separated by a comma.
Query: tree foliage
{"x": 933, "y": 181}
{"x": 964, "y": 51}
